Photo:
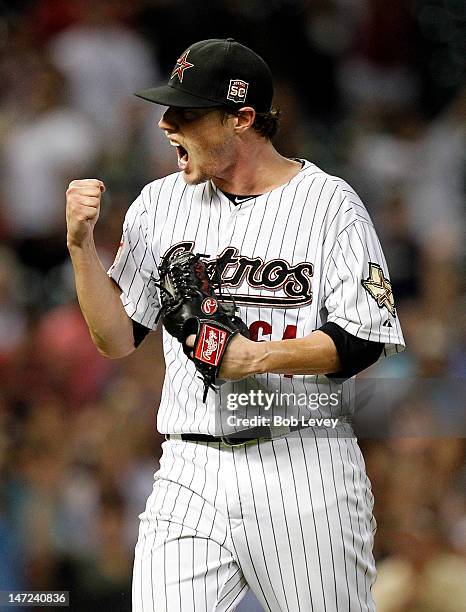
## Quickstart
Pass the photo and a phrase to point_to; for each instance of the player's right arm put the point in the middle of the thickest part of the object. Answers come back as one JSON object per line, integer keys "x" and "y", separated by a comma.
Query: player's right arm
{"x": 99, "y": 296}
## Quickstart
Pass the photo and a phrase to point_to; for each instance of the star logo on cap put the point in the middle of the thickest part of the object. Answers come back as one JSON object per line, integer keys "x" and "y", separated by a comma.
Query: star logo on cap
{"x": 181, "y": 65}
{"x": 379, "y": 288}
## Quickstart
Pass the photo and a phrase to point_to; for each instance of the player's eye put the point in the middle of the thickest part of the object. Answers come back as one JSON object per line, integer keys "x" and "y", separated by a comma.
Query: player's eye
{"x": 191, "y": 114}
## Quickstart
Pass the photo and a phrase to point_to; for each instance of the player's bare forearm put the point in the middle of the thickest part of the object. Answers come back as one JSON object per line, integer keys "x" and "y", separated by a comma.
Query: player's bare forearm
{"x": 314, "y": 354}
{"x": 99, "y": 298}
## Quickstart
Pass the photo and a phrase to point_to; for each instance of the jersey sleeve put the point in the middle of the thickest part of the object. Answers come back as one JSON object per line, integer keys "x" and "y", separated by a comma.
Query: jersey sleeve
{"x": 133, "y": 268}
{"x": 358, "y": 294}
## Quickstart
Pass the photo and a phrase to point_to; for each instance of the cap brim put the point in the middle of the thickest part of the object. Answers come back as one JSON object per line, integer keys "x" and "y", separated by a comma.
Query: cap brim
{"x": 169, "y": 96}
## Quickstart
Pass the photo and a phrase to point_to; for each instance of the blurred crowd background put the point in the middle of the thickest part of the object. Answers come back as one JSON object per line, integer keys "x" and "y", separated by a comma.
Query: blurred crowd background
{"x": 370, "y": 90}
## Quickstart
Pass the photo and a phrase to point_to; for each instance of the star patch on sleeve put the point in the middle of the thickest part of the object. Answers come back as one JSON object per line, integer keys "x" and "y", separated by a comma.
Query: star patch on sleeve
{"x": 379, "y": 288}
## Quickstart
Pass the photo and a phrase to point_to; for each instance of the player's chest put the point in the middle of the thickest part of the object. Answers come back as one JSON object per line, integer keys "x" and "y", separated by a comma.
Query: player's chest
{"x": 261, "y": 240}
{"x": 263, "y": 253}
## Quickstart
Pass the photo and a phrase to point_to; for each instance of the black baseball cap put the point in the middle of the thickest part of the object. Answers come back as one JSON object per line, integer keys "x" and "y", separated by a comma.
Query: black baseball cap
{"x": 216, "y": 72}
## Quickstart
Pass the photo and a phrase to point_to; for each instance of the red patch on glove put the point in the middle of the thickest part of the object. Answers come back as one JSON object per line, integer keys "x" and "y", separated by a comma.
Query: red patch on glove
{"x": 210, "y": 345}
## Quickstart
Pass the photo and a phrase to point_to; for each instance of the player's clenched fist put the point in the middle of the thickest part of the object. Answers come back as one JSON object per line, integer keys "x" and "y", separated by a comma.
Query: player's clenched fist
{"x": 82, "y": 209}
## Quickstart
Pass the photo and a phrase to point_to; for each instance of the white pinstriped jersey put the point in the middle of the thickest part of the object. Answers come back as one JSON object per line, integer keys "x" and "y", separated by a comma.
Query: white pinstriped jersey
{"x": 301, "y": 255}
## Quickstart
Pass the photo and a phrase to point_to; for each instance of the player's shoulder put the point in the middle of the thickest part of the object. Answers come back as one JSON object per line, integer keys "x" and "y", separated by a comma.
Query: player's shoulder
{"x": 144, "y": 206}
{"x": 312, "y": 173}
{"x": 321, "y": 181}
{"x": 334, "y": 192}
{"x": 152, "y": 191}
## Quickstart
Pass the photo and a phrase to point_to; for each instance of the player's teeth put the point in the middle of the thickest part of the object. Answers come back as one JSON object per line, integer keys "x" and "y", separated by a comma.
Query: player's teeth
{"x": 182, "y": 157}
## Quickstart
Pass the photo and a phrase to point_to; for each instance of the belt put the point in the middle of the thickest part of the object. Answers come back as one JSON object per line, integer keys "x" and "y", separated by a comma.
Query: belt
{"x": 254, "y": 435}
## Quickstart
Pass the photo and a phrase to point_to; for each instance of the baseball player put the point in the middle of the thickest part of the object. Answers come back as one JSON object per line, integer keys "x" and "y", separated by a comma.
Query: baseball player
{"x": 286, "y": 509}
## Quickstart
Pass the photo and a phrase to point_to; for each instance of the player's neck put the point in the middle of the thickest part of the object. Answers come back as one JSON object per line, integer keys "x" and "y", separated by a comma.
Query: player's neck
{"x": 258, "y": 169}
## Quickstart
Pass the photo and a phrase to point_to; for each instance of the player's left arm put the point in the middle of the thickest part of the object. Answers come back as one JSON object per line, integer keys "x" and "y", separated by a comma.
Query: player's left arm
{"x": 313, "y": 354}
{"x": 329, "y": 350}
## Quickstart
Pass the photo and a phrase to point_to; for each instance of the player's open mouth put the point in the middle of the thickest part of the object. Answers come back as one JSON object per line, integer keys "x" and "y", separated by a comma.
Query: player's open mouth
{"x": 182, "y": 157}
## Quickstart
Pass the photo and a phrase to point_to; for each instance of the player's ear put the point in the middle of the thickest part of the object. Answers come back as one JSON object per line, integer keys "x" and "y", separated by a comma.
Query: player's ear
{"x": 244, "y": 119}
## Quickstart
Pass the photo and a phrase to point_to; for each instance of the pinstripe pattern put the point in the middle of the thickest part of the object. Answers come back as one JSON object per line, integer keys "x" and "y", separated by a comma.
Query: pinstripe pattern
{"x": 315, "y": 218}
{"x": 291, "y": 519}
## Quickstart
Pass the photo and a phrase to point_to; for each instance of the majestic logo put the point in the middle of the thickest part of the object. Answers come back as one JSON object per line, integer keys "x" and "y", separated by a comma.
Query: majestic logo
{"x": 209, "y": 306}
{"x": 210, "y": 345}
{"x": 237, "y": 90}
{"x": 379, "y": 288}
{"x": 181, "y": 65}
{"x": 266, "y": 277}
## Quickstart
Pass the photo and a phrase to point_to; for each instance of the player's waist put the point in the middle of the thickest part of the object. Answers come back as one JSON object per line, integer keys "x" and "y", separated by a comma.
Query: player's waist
{"x": 236, "y": 438}
{"x": 313, "y": 427}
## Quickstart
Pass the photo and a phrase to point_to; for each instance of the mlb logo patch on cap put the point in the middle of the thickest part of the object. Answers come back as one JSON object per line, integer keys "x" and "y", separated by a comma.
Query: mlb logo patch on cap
{"x": 237, "y": 90}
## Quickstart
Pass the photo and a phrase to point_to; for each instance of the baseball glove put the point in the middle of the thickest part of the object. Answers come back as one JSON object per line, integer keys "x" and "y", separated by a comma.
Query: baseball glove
{"x": 190, "y": 305}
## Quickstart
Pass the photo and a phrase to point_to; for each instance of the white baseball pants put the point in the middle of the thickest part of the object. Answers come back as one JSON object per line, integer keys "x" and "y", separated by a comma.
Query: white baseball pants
{"x": 289, "y": 518}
